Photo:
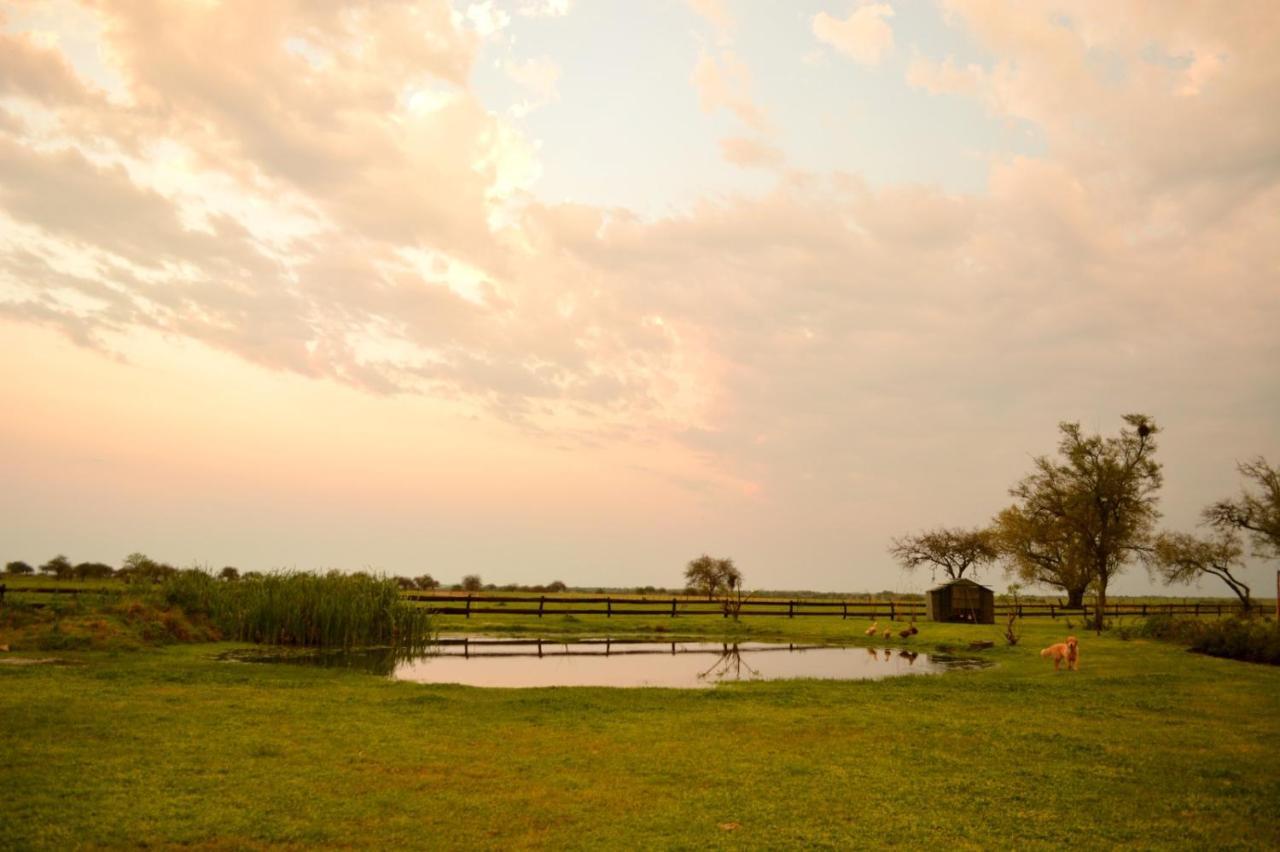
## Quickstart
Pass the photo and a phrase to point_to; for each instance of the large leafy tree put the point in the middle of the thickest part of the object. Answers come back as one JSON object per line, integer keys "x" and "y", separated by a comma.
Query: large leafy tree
{"x": 709, "y": 575}
{"x": 1041, "y": 549}
{"x": 954, "y": 550}
{"x": 59, "y": 567}
{"x": 1185, "y": 558}
{"x": 1103, "y": 492}
{"x": 138, "y": 567}
{"x": 92, "y": 571}
{"x": 1254, "y": 512}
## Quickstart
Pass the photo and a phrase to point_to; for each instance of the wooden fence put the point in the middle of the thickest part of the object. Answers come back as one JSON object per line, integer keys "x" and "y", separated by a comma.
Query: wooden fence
{"x": 673, "y": 607}
{"x": 485, "y": 604}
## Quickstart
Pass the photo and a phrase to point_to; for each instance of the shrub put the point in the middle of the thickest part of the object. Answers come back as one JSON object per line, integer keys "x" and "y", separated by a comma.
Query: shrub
{"x": 1252, "y": 640}
{"x": 1255, "y": 640}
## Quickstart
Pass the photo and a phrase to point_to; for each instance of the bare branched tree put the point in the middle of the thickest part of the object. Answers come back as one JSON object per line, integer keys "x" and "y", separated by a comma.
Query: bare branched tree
{"x": 1257, "y": 513}
{"x": 955, "y": 551}
{"x": 1184, "y": 558}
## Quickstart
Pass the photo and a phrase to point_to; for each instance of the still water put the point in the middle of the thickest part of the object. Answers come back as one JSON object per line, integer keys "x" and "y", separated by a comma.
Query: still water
{"x": 478, "y": 661}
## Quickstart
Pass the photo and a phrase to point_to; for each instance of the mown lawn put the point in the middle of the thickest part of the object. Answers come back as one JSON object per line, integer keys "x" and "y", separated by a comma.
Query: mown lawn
{"x": 1147, "y": 746}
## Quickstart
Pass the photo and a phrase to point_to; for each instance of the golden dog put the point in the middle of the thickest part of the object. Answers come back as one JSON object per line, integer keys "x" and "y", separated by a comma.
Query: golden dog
{"x": 1068, "y": 651}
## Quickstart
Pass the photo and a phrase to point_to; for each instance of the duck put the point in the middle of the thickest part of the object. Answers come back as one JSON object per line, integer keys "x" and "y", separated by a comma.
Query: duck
{"x": 913, "y": 629}
{"x": 888, "y": 633}
{"x": 905, "y": 633}
{"x": 873, "y": 629}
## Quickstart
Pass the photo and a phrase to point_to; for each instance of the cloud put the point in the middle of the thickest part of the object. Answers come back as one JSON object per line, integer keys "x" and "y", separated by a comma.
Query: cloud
{"x": 726, "y": 83}
{"x": 539, "y": 77}
{"x": 750, "y": 153}
{"x": 544, "y": 8}
{"x": 715, "y": 12}
{"x": 865, "y": 35}
{"x": 346, "y": 208}
{"x": 944, "y": 77}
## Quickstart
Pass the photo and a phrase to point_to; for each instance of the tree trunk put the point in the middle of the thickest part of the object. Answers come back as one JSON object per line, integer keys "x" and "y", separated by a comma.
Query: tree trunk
{"x": 1243, "y": 594}
{"x": 1075, "y": 598}
{"x": 1102, "y": 605}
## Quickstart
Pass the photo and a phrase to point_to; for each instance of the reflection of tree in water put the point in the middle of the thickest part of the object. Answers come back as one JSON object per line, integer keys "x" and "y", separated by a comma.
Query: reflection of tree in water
{"x": 729, "y": 665}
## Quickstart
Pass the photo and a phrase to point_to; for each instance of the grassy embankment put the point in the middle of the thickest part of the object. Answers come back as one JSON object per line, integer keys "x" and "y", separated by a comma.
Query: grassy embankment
{"x": 1146, "y": 746}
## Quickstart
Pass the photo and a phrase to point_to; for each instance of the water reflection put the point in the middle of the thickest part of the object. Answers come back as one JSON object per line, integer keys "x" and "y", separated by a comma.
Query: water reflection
{"x": 480, "y": 661}
{"x": 729, "y": 666}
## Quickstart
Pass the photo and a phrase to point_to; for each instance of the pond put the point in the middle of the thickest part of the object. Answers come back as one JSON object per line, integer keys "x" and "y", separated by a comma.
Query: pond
{"x": 482, "y": 661}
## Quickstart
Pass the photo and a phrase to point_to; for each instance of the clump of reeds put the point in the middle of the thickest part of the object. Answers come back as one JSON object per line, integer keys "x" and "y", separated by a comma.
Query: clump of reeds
{"x": 297, "y": 608}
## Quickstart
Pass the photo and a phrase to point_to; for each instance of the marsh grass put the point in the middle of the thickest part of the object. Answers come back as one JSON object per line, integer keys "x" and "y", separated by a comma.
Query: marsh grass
{"x": 297, "y": 608}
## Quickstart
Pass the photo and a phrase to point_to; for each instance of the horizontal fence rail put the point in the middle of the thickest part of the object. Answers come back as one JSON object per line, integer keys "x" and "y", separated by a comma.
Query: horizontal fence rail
{"x": 609, "y": 606}
{"x": 447, "y": 604}
{"x": 599, "y": 648}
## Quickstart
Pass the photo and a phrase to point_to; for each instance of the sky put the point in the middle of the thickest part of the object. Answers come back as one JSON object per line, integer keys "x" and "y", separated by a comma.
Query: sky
{"x": 582, "y": 289}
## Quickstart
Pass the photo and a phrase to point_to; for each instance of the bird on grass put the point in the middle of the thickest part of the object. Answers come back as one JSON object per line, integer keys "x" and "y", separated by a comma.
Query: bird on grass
{"x": 873, "y": 629}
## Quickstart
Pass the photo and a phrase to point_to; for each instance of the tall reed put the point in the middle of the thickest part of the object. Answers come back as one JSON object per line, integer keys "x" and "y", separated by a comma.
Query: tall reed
{"x": 297, "y": 608}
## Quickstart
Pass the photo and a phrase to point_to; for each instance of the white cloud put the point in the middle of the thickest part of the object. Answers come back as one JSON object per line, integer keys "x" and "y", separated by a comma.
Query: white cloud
{"x": 539, "y": 77}
{"x": 544, "y": 8}
{"x": 750, "y": 152}
{"x": 865, "y": 35}
{"x": 726, "y": 83}
{"x": 944, "y": 77}
{"x": 715, "y": 12}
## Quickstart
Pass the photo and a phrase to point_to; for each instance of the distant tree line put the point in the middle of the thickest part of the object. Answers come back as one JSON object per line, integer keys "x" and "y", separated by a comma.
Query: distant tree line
{"x": 138, "y": 567}
{"x": 1080, "y": 518}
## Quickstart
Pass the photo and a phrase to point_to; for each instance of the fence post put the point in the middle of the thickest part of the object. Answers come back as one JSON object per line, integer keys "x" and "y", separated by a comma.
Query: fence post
{"x": 542, "y": 601}
{"x": 673, "y": 611}
{"x": 608, "y": 609}
{"x": 893, "y": 616}
{"x": 844, "y": 606}
{"x": 1197, "y": 608}
{"x": 468, "y": 606}
{"x": 1053, "y": 611}
{"x": 791, "y": 609}
{"x": 1144, "y": 610}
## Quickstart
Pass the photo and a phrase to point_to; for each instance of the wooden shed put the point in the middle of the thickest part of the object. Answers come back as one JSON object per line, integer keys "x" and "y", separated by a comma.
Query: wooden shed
{"x": 962, "y": 600}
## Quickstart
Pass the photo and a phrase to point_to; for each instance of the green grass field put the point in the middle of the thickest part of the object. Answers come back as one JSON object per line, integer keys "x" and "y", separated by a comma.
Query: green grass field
{"x": 1147, "y": 746}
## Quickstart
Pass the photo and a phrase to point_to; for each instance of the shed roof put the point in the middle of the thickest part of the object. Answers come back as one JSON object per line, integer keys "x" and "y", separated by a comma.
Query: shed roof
{"x": 963, "y": 581}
